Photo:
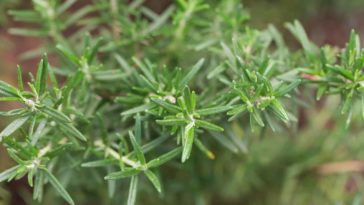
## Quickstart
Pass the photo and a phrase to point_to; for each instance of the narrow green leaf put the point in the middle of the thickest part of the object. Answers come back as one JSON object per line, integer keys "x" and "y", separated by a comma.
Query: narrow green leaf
{"x": 14, "y": 112}
{"x": 38, "y": 186}
{"x": 188, "y": 138}
{"x": 209, "y": 126}
{"x": 229, "y": 54}
{"x": 8, "y": 90}
{"x": 193, "y": 100}
{"x": 72, "y": 83}
{"x": 73, "y": 59}
{"x": 127, "y": 172}
{"x": 148, "y": 84}
{"x": 283, "y": 90}
{"x": 41, "y": 80}
{"x": 138, "y": 128}
{"x": 5, "y": 175}
{"x": 347, "y": 104}
{"x": 321, "y": 90}
{"x": 278, "y": 109}
{"x": 224, "y": 141}
{"x": 55, "y": 114}
{"x": 111, "y": 184}
{"x": 138, "y": 109}
{"x": 341, "y": 71}
{"x": 20, "y": 78}
{"x": 213, "y": 110}
{"x": 133, "y": 189}
{"x": 38, "y": 131}
{"x": 108, "y": 75}
{"x": 145, "y": 69}
{"x": 188, "y": 99}
{"x": 60, "y": 149}
{"x": 137, "y": 148}
{"x": 69, "y": 129}
{"x": 216, "y": 71}
{"x": 94, "y": 49}
{"x": 237, "y": 109}
{"x": 64, "y": 6}
{"x": 298, "y": 31}
{"x": 159, "y": 21}
{"x": 28, "y": 32}
{"x": 78, "y": 14}
{"x": 100, "y": 163}
{"x": 204, "y": 149}
{"x": 30, "y": 177}
{"x": 172, "y": 121}
{"x": 154, "y": 179}
{"x": 168, "y": 106}
{"x": 10, "y": 99}
{"x": 164, "y": 158}
{"x": 123, "y": 63}
{"x": 191, "y": 74}
{"x": 25, "y": 15}
{"x": 154, "y": 143}
{"x": 58, "y": 186}
{"x": 182, "y": 103}
{"x": 12, "y": 127}
{"x": 256, "y": 116}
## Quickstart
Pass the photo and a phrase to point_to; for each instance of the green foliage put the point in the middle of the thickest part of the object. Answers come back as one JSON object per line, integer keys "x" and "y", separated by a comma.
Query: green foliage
{"x": 156, "y": 87}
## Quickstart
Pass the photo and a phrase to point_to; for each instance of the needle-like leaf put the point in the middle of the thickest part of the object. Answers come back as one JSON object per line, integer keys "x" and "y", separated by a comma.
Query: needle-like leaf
{"x": 133, "y": 189}
{"x": 137, "y": 148}
{"x": 58, "y": 186}
{"x": 188, "y": 138}
{"x": 12, "y": 127}
{"x": 154, "y": 179}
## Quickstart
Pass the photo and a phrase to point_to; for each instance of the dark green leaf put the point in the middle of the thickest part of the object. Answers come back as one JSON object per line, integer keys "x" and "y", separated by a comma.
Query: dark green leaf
{"x": 164, "y": 158}
{"x": 137, "y": 148}
{"x": 138, "y": 109}
{"x": 38, "y": 186}
{"x": 58, "y": 186}
{"x": 188, "y": 142}
{"x": 20, "y": 78}
{"x": 256, "y": 116}
{"x": 133, "y": 189}
{"x": 5, "y": 175}
{"x": 209, "y": 126}
{"x": 213, "y": 110}
{"x": 191, "y": 74}
{"x": 41, "y": 81}
{"x": 99, "y": 163}
{"x": 168, "y": 106}
{"x": 8, "y": 90}
{"x": 172, "y": 121}
{"x": 12, "y": 127}
{"x": 154, "y": 179}
{"x": 278, "y": 110}
{"x": 283, "y": 90}
{"x": 69, "y": 129}
{"x": 127, "y": 172}
{"x": 56, "y": 115}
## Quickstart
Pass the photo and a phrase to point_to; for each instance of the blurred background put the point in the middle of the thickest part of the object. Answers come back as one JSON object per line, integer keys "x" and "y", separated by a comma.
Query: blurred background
{"x": 326, "y": 22}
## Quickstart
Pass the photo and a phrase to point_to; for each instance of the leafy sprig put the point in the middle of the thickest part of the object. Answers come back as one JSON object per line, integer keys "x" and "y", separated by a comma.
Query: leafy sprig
{"x": 124, "y": 106}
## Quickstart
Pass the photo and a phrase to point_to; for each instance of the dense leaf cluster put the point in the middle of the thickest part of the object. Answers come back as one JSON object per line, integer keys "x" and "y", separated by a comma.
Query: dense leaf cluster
{"x": 150, "y": 88}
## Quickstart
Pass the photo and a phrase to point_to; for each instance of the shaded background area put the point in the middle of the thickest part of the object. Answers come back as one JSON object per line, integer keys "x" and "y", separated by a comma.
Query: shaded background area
{"x": 326, "y": 21}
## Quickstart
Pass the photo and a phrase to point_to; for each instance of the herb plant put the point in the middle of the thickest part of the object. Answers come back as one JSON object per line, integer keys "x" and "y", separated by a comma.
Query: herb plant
{"x": 135, "y": 97}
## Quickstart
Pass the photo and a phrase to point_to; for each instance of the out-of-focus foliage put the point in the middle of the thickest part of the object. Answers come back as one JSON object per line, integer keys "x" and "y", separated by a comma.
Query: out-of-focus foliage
{"x": 278, "y": 11}
{"x": 4, "y": 6}
{"x": 189, "y": 106}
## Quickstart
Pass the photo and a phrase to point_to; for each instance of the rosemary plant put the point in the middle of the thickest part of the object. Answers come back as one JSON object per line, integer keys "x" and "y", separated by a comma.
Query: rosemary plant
{"x": 136, "y": 97}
